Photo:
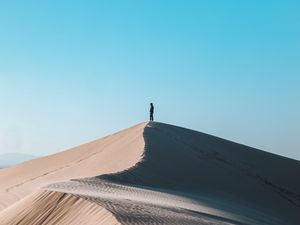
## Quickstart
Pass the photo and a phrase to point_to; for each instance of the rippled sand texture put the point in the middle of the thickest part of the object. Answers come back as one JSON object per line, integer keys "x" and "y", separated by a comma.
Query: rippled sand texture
{"x": 110, "y": 154}
{"x": 159, "y": 174}
{"x": 54, "y": 208}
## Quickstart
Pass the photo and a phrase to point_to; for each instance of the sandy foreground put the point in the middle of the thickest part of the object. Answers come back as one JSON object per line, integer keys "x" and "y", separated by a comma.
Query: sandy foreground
{"x": 153, "y": 173}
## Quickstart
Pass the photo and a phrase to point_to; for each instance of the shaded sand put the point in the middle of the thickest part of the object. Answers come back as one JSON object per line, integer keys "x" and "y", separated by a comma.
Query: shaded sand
{"x": 53, "y": 208}
{"x": 184, "y": 177}
{"x": 136, "y": 205}
{"x": 109, "y": 154}
{"x": 187, "y": 177}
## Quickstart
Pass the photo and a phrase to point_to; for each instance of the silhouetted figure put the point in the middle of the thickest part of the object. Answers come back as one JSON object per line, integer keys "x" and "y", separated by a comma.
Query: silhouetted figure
{"x": 151, "y": 111}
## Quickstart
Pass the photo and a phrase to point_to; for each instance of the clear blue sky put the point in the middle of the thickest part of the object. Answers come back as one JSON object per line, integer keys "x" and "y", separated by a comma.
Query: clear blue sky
{"x": 73, "y": 71}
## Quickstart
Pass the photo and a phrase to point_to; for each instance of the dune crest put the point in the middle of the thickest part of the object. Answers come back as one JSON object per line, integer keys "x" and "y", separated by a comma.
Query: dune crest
{"x": 156, "y": 173}
{"x": 105, "y": 155}
{"x": 207, "y": 180}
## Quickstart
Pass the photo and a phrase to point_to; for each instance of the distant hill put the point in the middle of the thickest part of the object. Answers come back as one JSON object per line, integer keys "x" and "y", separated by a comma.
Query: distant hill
{"x": 11, "y": 159}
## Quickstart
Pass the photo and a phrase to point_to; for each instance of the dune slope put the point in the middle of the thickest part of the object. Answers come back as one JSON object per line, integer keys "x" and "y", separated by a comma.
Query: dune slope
{"x": 209, "y": 178}
{"x": 54, "y": 208}
{"x": 106, "y": 155}
{"x": 162, "y": 174}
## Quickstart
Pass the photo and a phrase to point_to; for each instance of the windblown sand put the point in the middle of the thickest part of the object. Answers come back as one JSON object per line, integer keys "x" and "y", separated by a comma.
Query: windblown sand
{"x": 55, "y": 208}
{"x": 153, "y": 173}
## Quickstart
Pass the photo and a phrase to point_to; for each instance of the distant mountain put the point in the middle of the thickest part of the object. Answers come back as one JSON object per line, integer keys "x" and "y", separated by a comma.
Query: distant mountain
{"x": 11, "y": 159}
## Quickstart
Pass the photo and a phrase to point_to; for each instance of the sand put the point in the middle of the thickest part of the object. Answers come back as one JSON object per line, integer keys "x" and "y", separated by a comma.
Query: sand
{"x": 153, "y": 173}
{"x": 54, "y": 208}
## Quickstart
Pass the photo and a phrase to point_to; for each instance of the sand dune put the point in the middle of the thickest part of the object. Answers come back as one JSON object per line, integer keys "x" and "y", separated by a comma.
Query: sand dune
{"x": 54, "y": 208}
{"x": 154, "y": 174}
{"x": 110, "y": 154}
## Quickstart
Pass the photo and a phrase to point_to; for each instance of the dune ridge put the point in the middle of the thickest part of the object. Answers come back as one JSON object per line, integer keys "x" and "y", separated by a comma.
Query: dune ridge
{"x": 173, "y": 175}
{"x": 104, "y": 155}
{"x": 222, "y": 181}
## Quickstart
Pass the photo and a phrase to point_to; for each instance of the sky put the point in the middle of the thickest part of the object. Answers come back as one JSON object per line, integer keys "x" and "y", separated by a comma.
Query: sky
{"x": 74, "y": 71}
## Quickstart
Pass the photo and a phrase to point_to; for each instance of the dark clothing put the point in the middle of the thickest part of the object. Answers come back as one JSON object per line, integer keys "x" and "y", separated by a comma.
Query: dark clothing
{"x": 151, "y": 112}
{"x": 152, "y": 109}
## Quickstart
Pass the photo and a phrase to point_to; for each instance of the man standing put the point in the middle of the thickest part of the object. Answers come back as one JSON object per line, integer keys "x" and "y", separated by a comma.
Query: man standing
{"x": 151, "y": 111}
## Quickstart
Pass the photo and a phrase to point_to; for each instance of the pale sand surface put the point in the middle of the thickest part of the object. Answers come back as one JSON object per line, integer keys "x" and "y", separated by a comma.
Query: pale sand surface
{"x": 187, "y": 177}
{"x": 53, "y": 208}
{"x": 110, "y": 154}
{"x": 176, "y": 176}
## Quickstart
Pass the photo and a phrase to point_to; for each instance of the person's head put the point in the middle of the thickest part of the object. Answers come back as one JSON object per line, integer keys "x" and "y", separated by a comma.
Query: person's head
{"x": 151, "y": 104}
